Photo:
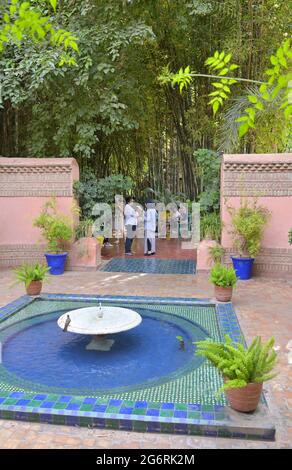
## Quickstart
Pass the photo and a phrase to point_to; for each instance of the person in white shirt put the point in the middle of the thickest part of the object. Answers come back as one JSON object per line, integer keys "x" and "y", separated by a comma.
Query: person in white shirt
{"x": 131, "y": 220}
{"x": 150, "y": 228}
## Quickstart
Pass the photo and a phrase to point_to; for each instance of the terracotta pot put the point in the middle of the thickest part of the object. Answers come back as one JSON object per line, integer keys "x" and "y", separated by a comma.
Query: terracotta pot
{"x": 34, "y": 288}
{"x": 245, "y": 399}
{"x": 223, "y": 294}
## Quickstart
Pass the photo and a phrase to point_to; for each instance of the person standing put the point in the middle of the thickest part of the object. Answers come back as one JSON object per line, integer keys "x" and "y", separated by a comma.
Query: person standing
{"x": 131, "y": 220}
{"x": 150, "y": 228}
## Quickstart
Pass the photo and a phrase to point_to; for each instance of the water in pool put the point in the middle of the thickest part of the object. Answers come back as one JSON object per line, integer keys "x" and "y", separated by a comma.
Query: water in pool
{"x": 43, "y": 354}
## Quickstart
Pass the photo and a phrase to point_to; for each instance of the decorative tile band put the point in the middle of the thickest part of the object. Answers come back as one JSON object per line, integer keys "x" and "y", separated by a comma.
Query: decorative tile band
{"x": 257, "y": 179}
{"x": 36, "y": 180}
{"x": 256, "y": 166}
{"x": 138, "y": 415}
{"x": 269, "y": 260}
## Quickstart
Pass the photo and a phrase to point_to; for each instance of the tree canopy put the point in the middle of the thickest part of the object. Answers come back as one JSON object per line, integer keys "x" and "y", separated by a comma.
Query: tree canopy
{"x": 83, "y": 82}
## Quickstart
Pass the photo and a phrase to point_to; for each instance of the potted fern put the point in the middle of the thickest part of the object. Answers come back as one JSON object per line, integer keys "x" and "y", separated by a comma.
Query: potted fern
{"x": 244, "y": 369}
{"x": 248, "y": 222}
{"x": 56, "y": 230}
{"x": 224, "y": 279}
{"x": 32, "y": 276}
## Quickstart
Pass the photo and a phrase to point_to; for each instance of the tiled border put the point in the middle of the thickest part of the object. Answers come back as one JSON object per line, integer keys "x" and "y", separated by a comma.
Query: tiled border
{"x": 150, "y": 266}
{"x": 193, "y": 419}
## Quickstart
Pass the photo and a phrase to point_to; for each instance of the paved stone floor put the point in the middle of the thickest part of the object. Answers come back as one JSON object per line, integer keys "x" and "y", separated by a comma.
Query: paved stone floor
{"x": 264, "y": 307}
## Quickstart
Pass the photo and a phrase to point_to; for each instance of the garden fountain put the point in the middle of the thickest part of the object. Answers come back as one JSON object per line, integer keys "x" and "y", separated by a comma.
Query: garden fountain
{"x": 99, "y": 322}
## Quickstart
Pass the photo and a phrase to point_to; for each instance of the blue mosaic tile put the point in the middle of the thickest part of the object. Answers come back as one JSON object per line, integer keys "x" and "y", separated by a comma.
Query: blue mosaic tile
{"x": 151, "y": 266}
{"x": 126, "y": 411}
{"x": 16, "y": 395}
{"x": 73, "y": 406}
{"x": 180, "y": 414}
{"x": 40, "y": 397}
{"x": 152, "y": 412}
{"x": 100, "y": 408}
{"x": 195, "y": 407}
{"x": 115, "y": 402}
{"x": 21, "y": 402}
{"x": 141, "y": 404}
{"x": 167, "y": 406}
{"x": 47, "y": 404}
{"x": 89, "y": 401}
{"x": 65, "y": 399}
{"x": 210, "y": 420}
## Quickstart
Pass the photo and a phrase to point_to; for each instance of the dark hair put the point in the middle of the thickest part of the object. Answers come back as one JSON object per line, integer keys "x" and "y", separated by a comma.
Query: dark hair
{"x": 128, "y": 199}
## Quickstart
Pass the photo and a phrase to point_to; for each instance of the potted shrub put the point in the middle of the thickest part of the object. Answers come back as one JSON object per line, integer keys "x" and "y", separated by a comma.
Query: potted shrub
{"x": 244, "y": 369}
{"x": 224, "y": 279}
{"x": 56, "y": 230}
{"x": 248, "y": 222}
{"x": 32, "y": 275}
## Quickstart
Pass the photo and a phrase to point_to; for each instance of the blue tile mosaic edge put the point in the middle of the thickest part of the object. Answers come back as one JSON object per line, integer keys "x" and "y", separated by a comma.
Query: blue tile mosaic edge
{"x": 150, "y": 266}
{"x": 180, "y": 418}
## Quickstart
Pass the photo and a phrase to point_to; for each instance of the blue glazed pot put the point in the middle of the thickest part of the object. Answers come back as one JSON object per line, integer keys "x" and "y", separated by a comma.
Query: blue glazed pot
{"x": 243, "y": 267}
{"x": 56, "y": 262}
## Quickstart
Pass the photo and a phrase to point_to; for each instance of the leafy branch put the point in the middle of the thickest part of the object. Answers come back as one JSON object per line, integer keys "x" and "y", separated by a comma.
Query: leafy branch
{"x": 278, "y": 85}
{"x": 22, "y": 20}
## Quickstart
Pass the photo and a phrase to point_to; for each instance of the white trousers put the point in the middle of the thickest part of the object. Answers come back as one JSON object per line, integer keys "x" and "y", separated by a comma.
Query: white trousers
{"x": 150, "y": 235}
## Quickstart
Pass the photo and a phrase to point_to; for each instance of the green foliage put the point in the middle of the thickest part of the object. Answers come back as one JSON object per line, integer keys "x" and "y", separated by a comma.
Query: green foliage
{"x": 223, "y": 276}
{"x": 290, "y": 236}
{"x": 280, "y": 76}
{"x": 183, "y": 78}
{"x": 248, "y": 222}
{"x": 24, "y": 20}
{"x": 55, "y": 227}
{"x": 109, "y": 187}
{"x": 238, "y": 364}
{"x": 278, "y": 85}
{"x": 90, "y": 190}
{"x": 85, "y": 191}
{"x": 31, "y": 272}
{"x": 216, "y": 253}
{"x": 210, "y": 225}
{"x": 220, "y": 64}
{"x": 208, "y": 171}
{"x": 84, "y": 228}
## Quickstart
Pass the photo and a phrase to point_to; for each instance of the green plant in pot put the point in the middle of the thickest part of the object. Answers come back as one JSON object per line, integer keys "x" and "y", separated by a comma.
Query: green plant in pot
{"x": 248, "y": 225}
{"x": 244, "y": 369}
{"x": 32, "y": 275}
{"x": 56, "y": 229}
{"x": 224, "y": 280}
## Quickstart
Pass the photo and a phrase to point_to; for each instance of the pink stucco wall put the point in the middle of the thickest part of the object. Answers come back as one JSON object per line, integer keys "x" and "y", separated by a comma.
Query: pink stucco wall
{"x": 268, "y": 177}
{"x": 25, "y": 185}
{"x": 18, "y": 213}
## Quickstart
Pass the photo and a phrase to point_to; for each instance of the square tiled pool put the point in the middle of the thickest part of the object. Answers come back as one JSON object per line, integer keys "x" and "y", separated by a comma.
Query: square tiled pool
{"x": 157, "y": 389}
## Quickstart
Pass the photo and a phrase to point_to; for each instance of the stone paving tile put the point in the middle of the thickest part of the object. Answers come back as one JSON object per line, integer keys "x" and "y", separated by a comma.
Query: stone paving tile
{"x": 263, "y": 307}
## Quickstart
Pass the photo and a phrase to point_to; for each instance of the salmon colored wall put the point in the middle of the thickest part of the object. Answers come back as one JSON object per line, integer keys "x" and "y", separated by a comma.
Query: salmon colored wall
{"x": 26, "y": 184}
{"x": 276, "y": 232}
{"x": 18, "y": 213}
{"x": 267, "y": 177}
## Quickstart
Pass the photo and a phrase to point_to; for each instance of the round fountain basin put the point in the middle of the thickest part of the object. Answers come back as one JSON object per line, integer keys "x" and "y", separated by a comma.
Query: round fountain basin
{"x": 36, "y": 351}
{"x": 86, "y": 321}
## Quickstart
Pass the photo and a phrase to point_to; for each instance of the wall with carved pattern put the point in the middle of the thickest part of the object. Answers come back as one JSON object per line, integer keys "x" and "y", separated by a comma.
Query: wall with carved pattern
{"x": 268, "y": 177}
{"x": 25, "y": 185}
